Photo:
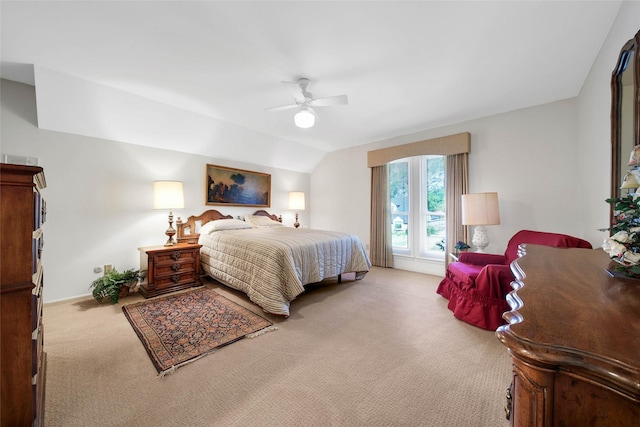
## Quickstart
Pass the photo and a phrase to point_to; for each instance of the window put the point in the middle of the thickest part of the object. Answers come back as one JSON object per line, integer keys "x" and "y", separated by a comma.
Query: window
{"x": 417, "y": 203}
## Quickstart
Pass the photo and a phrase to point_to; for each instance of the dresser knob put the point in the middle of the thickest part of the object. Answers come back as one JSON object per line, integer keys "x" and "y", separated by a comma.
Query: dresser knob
{"x": 175, "y": 255}
{"x": 175, "y": 267}
{"x": 175, "y": 278}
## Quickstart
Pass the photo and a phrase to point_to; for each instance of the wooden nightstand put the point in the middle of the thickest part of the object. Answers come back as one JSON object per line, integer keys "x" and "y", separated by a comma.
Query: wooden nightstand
{"x": 169, "y": 268}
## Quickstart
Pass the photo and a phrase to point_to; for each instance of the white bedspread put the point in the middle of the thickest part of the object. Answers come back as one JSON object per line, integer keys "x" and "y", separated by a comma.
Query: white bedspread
{"x": 272, "y": 264}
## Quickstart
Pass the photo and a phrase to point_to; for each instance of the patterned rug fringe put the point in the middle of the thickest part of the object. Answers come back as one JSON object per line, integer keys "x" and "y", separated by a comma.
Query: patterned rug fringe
{"x": 172, "y": 369}
{"x": 262, "y": 331}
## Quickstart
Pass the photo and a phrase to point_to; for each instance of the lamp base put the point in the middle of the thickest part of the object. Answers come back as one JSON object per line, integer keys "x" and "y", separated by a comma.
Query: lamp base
{"x": 296, "y": 224}
{"x": 170, "y": 231}
{"x": 480, "y": 238}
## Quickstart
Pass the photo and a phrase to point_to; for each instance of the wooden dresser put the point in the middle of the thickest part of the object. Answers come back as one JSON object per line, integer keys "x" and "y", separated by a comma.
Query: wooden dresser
{"x": 23, "y": 361}
{"x": 574, "y": 339}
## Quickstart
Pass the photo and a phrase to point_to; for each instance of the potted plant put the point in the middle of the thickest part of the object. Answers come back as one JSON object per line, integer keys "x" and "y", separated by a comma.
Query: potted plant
{"x": 114, "y": 285}
{"x": 461, "y": 246}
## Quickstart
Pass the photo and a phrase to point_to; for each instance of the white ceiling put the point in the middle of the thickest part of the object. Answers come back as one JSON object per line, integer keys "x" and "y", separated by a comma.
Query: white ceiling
{"x": 405, "y": 66}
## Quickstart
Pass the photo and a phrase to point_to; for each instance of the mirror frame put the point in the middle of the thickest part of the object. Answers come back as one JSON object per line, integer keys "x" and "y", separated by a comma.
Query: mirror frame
{"x": 629, "y": 49}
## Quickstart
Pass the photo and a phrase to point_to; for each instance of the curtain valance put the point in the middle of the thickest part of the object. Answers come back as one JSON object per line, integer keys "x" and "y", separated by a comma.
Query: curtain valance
{"x": 444, "y": 146}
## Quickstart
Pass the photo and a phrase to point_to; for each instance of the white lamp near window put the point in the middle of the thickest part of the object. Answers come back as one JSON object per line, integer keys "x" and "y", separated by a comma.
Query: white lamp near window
{"x": 296, "y": 202}
{"x": 168, "y": 195}
{"x": 480, "y": 209}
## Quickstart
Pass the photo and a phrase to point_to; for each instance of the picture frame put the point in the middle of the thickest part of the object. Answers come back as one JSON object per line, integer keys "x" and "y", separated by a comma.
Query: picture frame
{"x": 237, "y": 187}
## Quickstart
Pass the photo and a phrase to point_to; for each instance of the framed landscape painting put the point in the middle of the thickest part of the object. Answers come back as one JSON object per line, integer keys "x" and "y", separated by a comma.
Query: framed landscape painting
{"x": 237, "y": 187}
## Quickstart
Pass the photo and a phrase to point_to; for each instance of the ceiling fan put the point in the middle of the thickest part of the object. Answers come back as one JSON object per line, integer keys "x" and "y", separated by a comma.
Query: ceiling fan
{"x": 305, "y": 118}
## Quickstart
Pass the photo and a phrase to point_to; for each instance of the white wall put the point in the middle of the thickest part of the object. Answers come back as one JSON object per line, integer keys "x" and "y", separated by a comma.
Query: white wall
{"x": 99, "y": 194}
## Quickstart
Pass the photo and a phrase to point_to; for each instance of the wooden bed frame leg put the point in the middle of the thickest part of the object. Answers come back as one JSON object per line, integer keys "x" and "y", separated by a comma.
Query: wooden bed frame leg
{"x": 339, "y": 278}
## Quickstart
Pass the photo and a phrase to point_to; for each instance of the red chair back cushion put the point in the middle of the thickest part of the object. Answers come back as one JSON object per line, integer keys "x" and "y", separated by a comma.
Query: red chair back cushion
{"x": 542, "y": 238}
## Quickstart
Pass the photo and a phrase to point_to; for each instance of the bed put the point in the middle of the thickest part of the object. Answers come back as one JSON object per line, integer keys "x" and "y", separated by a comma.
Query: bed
{"x": 267, "y": 261}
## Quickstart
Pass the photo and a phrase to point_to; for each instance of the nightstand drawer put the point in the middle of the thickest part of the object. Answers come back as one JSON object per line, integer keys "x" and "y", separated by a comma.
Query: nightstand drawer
{"x": 175, "y": 256}
{"x": 175, "y": 279}
{"x": 174, "y": 267}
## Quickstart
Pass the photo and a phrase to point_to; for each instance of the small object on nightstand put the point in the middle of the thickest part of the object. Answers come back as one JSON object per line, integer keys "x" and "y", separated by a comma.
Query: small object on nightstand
{"x": 169, "y": 268}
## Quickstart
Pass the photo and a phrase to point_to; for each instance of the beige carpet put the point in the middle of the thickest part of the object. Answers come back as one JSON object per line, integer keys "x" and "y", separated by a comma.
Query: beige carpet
{"x": 384, "y": 351}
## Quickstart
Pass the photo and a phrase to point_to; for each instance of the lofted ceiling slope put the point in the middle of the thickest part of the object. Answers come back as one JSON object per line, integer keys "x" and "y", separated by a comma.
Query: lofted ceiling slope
{"x": 202, "y": 73}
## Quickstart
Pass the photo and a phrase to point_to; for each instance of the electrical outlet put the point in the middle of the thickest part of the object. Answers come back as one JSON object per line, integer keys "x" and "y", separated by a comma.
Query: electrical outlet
{"x": 97, "y": 269}
{"x": 108, "y": 268}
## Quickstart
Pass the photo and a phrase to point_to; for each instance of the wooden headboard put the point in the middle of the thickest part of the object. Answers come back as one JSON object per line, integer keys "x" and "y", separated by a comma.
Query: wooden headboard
{"x": 187, "y": 230}
{"x": 262, "y": 212}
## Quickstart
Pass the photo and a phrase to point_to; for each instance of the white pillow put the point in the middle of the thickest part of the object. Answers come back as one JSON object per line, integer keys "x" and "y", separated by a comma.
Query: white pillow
{"x": 261, "y": 221}
{"x": 223, "y": 224}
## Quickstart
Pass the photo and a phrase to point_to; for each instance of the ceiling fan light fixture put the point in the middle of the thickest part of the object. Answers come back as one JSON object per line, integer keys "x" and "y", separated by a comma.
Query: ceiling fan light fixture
{"x": 305, "y": 118}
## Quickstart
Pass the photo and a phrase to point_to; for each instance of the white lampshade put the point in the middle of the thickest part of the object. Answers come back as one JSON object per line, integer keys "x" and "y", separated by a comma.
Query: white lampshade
{"x": 296, "y": 200}
{"x": 168, "y": 195}
{"x": 480, "y": 209}
{"x": 304, "y": 118}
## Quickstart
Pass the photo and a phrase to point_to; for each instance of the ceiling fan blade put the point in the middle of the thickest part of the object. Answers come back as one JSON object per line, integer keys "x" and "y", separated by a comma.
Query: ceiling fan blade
{"x": 295, "y": 90}
{"x": 284, "y": 107}
{"x": 331, "y": 100}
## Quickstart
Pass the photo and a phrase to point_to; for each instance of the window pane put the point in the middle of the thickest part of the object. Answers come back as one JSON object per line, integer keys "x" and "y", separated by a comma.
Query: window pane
{"x": 435, "y": 184}
{"x": 399, "y": 203}
{"x": 399, "y": 186}
{"x": 399, "y": 231}
{"x": 435, "y": 232}
{"x": 435, "y": 200}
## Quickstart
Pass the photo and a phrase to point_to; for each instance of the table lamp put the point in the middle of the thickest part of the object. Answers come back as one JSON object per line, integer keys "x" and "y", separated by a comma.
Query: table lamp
{"x": 480, "y": 209}
{"x": 296, "y": 202}
{"x": 168, "y": 195}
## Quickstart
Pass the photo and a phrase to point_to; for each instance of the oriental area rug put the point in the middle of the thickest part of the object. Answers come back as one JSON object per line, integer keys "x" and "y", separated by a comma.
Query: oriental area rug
{"x": 180, "y": 329}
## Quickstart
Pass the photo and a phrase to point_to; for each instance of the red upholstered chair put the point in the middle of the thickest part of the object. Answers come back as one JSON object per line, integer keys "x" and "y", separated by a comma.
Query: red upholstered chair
{"x": 477, "y": 285}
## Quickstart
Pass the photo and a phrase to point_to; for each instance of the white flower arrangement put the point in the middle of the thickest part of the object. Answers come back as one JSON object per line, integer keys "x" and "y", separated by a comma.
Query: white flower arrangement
{"x": 624, "y": 245}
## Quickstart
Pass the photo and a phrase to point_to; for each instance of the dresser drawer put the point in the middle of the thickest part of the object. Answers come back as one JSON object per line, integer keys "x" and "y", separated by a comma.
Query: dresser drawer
{"x": 36, "y": 311}
{"x": 37, "y": 344}
{"x": 36, "y": 251}
{"x": 37, "y": 392}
